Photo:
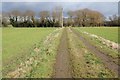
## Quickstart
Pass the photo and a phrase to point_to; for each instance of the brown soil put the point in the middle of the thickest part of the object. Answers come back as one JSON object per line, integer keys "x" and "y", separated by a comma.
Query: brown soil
{"x": 105, "y": 59}
{"x": 62, "y": 66}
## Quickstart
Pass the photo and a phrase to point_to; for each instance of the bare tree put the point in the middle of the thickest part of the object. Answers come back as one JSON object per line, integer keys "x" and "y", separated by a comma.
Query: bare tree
{"x": 98, "y": 18}
{"x": 30, "y": 15}
{"x": 44, "y": 15}
{"x": 114, "y": 20}
{"x": 5, "y": 19}
{"x": 15, "y": 14}
{"x": 44, "y": 18}
{"x": 87, "y": 17}
{"x": 71, "y": 17}
{"x": 57, "y": 15}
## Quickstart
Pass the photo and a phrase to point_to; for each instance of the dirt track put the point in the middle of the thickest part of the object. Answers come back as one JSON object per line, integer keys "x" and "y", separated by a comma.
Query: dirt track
{"x": 105, "y": 59}
{"x": 62, "y": 66}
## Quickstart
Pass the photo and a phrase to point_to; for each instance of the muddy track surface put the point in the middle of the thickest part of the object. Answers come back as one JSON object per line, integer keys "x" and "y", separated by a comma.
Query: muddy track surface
{"x": 105, "y": 59}
{"x": 62, "y": 66}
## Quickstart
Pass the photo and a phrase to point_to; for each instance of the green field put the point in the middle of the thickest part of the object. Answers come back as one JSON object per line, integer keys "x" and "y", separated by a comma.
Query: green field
{"x": 110, "y": 33}
{"x": 20, "y": 40}
{"x": 17, "y": 43}
{"x": 80, "y": 55}
{"x": 39, "y": 47}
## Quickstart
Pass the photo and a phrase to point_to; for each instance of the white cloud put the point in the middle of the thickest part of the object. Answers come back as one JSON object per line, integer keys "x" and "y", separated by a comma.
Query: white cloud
{"x": 60, "y": 0}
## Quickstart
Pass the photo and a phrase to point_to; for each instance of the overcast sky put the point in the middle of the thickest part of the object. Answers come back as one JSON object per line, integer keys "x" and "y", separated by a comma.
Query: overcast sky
{"x": 107, "y": 8}
{"x": 60, "y": 0}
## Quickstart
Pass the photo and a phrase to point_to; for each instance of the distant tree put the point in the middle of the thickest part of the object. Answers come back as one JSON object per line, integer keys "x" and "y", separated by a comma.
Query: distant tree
{"x": 4, "y": 19}
{"x": 82, "y": 17}
{"x": 30, "y": 15}
{"x": 96, "y": 18}
{"x": 57, "y": 15}
{"x": 71, "y": 17}
{"x": 14, "y": 17}
{"x": 44, "y": 17}
{"x": 16, "y": 14}
{"x": 113, "y": 20}
{"x": 86, "y": 17}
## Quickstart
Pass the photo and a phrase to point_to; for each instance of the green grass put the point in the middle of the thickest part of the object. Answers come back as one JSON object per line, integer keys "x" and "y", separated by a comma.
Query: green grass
{"x": 110, "y": 33}
{"x": 103, "y": 48}
{"x": 84, "y": 63}
{"x": 47, "y": 57}
{"x": 107, "y": 50}
{"x": 18, "y": 42}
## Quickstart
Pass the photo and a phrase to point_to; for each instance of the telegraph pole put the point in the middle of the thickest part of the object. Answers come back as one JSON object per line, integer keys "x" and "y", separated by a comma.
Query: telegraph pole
{"x": 62, "y": 18}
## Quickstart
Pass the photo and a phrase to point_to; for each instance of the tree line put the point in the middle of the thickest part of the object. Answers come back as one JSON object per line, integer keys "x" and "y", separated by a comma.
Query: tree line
{"x": 114, "y": 20}
{"x": 55, "y": 18}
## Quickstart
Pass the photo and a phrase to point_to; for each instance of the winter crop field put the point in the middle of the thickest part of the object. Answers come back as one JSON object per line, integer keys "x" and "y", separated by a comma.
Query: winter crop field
{"x": 15, "y": 40}
{"x": 103, "y": 38}
{"x": 18, "y": 43}
{"x": 33, "y": 52}
{"x": 110, "y": 33}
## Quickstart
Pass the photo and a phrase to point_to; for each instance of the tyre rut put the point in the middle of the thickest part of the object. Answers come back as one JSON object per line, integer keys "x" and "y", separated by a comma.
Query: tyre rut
{"x": 62, "y": 66}
{"x": 105, "y": 59}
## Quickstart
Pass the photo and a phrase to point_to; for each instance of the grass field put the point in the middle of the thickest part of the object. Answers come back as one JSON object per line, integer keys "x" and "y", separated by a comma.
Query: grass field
{"x": 110, "y": 33}
{"x": 84, "y": 62}
{"x": 105, "y": 33}
{"x": 18, "y": 43}
{"x": 31, "y": 52}
{"x": 19, "y": 40}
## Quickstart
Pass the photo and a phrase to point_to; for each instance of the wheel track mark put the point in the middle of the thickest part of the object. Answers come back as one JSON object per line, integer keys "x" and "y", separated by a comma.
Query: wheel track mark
{"x": 62, "y": 66}
{"x": 105, "y": 59}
